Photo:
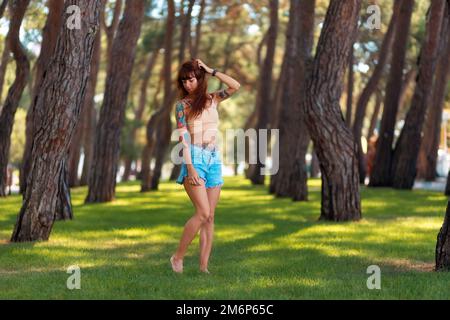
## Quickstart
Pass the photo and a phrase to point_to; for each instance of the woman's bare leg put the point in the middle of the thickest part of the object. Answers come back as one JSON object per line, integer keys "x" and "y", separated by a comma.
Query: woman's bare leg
{"x": 199, "y": 198}
{"x": 207, "y": 229}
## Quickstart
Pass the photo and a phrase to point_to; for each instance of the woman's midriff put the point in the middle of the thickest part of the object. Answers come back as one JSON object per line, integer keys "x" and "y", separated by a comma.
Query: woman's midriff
{"x": 203, "y": 130}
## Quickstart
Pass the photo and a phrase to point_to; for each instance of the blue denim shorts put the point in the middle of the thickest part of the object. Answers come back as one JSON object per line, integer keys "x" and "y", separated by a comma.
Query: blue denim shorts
{"x": 207, "y": 163}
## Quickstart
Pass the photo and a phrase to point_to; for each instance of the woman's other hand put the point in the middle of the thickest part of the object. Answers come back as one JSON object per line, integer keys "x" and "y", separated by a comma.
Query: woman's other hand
{"x": 193, "y": 177}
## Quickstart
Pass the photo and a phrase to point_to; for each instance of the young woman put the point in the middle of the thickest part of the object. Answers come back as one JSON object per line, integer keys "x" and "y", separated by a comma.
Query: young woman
{"x": 201, "y": 170}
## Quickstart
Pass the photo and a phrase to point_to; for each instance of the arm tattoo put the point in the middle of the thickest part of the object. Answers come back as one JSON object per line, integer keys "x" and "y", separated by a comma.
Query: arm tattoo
{"x": 180, "y": 115}
{"x": 181, "y": 123}
{"x": 223, "y": 94}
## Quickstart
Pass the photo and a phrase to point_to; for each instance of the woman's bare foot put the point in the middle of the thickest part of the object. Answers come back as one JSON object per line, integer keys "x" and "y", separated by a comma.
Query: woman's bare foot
{"x": 205, "y": 270}
{"x": 177, "y": 264}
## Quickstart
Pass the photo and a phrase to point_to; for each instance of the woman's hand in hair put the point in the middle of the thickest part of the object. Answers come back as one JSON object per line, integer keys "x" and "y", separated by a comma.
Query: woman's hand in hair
{"x": 203, "y": 66}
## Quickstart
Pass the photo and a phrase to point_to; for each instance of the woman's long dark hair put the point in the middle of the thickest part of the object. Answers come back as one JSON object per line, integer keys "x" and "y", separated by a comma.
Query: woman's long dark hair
{"x": 197, "y": 98}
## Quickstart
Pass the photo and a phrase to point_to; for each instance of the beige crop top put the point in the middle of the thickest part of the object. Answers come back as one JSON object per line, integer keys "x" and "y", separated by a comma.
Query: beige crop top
{"x": 204, "y": 128}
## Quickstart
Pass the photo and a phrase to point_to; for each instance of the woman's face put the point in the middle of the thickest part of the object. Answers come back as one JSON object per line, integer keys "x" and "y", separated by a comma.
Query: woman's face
{"x": 190, "y": 84}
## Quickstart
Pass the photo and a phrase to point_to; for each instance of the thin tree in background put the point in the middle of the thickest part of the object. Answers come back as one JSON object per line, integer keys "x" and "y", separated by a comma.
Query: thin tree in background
{"x": 139, "y": 112}
{"x": 427, "y": 161}
{"x": 381, "y": 174}
{"x": 5, "y": 55}
{"x": 371, "y": 87}
{"x": 195, "y": 45}
{"x": 159, "y": 125}
{"x": 374, "y": 117}
{"x": 263, "y": 98}
{"x": 49, "y": 37}
{"x": 3, "y": 7}
{"x": 58, "y": 104}
{"x": 404, "y": 162}
{"x": 111, "y": 30}
{"x": 291, "y": 178}
{"x": 333, "y": 141}
{"x": 17, "y": 9}
{"x": 89, "y": 114}
{"x": 102, "y": 181}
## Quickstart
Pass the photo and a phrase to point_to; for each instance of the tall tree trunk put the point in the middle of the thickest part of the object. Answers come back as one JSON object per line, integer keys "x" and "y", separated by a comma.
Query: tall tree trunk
{"x": 185, "y": 30}
{"x": 49, "y": 37}
{"x": 371, "y": 87}
{"x": 111, "y": 31}
{"x": 9, "y": 109}
{"x": 198, "y": 30}
{"x": 58, "y": 103}
{"x": 84, "y": 132}
{"x": 150, "y": 128}
{"x": 3, "y": 65}
{"x": 442, "y": 256}
{"x": 141, "y": 106}
{"x": 381, "y": 175}
{"x": 291, "y": 178}
{"x": 89, "y": 116}
{"x": 102, "y": 182}
{"x": 3, "y": 7}
{"x": 426, "y": 168}
{"x": 333, "y": 141}
{"x": 404, "y": 162}
{"x": 163, "y": 130}
{"x": 350, "y": 84}
{"x": 408, "y": 82}
{"x": 374, "y": 117}
{"x": 263, "y": 100}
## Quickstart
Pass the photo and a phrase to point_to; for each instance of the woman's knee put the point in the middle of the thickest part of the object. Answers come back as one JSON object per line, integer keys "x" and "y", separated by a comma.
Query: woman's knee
{"x": 210, "y": 217}
{"x": 203, "y": 214}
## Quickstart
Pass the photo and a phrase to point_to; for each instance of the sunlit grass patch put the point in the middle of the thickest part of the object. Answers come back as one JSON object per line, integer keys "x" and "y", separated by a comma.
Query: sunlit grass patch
{"x": 264, "y": 247}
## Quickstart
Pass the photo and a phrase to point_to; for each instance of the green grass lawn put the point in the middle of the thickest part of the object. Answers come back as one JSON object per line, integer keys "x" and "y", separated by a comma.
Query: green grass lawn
{"x": 264, "y": 248}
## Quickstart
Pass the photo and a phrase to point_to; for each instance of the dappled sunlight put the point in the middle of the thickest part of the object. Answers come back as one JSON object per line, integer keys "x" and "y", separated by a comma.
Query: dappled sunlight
{"x": 242, "y": 232}
{"x": 263, "y": 245}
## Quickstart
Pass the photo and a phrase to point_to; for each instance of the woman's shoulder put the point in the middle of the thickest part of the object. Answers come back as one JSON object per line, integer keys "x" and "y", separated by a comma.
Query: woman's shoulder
{"x": 185, "y": 103}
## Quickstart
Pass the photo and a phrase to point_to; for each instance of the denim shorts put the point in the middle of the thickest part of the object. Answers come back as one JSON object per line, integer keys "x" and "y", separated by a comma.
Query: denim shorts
{"x": 208, "y": 165}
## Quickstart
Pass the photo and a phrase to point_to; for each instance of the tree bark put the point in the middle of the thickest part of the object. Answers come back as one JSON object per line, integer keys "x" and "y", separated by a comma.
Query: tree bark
{"x": 58, "y": 104}
{"x": 291, "y": 178}
{"x": 162, "y": 133}
{"x": 427, "y": 162}
{"x": 49, "y": 37}
{"x": 370, "y": 88}
{"x": 350, "y": 84}
{"x": 404, "y": 163}
{"x": 443, "y": 244}
{"x": 9, "y": 109}
{"x": 264, "y": 99}
{"x": 84, "y": 131}
{"x": 381, "y": 175}
{"x": 333, "y": 141}
{"x": 102, "y": 180}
